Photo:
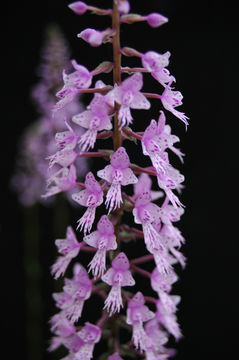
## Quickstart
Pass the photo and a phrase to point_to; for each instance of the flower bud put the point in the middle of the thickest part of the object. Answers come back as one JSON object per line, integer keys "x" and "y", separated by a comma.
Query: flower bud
{"x": 93, "y": 37}
{"x": 79, "y": 7}
{"x": 123, "y": 7}
{"x": 155, "y": 19}
{"x": 127, "y": 51}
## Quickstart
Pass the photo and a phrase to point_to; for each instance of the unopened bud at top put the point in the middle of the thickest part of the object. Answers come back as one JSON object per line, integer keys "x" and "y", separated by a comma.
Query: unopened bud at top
{"x": 156, "y": 20}
{"x": 123, "y": 7}
{"x": 79, "y": 7}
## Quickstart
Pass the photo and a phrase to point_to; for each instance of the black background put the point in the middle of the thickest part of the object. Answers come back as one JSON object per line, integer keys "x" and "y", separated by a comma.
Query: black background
{"x": 203, "y": 40}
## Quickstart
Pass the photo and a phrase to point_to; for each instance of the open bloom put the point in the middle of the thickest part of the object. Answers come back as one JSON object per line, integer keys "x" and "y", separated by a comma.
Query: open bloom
{"x": 91, "y": 197}
{"x": 64, "y": 158}
{"x": 156, "y": 64}
{"x": 66, "y": 139}
{"x": 172, "y": 238}
{"x": 137, "y": 314}
{"x": 156, "y": 139}
{"x": 144, "y": 184}
{"x": 145, "y": 212}
{"x": 165, "y": 315}
{"x": 63, "y": 329}
{"x": 62, "y": 180}
{"x": 69, "y": 248}
{"x": 95, "y": 119}
{"x": 81, "y": 344}
{"x": 162, "y": 282}
{"x": 152, "y": 147}
{"x": 90, "y": 335}
{"x": 75, "y": 292}
{"x": 117, "y": 276}
{"x": 168, "y": 215}
{"x": 128, "y": 95}
{"x": 102, "y": 239}
{"x": 79, "y": 79}
{"x": 166, "y": 305}
{"x": 169, "y": 180}
{"x": 171, "y": 99}
{"x": 155, "y": 349}
{"x": 117, "y": 174}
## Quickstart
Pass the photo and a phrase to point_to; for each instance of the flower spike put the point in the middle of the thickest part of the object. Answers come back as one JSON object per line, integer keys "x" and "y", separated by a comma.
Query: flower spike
{"x": 153, "y": 200}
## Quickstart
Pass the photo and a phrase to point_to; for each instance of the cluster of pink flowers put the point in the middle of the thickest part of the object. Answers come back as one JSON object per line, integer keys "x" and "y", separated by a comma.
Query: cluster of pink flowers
{"x": 112, "y": 269}
{"x": 38, "y": 139}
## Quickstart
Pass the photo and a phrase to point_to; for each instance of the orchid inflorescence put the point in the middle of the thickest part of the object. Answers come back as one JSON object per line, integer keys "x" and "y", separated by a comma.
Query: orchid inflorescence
{"x": 109, "y": 115}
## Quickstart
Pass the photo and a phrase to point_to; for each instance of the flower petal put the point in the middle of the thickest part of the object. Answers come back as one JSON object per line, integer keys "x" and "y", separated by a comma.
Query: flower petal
{"x": 140, "y": 102}
{"x": 133, "y": 83}
{"x": 106, "y": 173}
{"x": 92, "y": 239}
{"x": 128, "y": 177}
{"x": 83, "y": 119}
{"x": 81, "y": 197}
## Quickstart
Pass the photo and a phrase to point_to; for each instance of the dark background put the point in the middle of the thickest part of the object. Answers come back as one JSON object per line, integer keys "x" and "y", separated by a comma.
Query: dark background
{"x": 203, "y": 40}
